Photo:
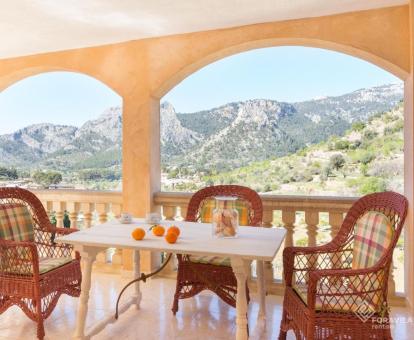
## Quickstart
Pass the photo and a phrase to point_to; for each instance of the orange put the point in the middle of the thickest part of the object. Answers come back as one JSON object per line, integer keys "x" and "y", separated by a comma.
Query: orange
{"x": 171, "y": 237}
{"x": 158, "y": 230}
{"x": 138, "y": 234}
{"x": 174, "y": 229}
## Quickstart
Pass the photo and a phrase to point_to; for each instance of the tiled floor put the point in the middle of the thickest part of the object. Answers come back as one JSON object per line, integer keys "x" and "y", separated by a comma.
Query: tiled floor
{"x": 203, "y": 317}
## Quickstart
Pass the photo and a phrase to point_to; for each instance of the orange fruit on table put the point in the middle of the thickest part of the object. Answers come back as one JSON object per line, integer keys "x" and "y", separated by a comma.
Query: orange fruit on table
{"x": 171, "y": 237}
{"x": 174, "y": 229}
{"x": 138, "y": 234}
{"x": 158, "y": 230}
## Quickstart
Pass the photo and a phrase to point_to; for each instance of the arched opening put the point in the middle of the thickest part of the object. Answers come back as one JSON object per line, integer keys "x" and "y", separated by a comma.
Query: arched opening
{"x": 61, "y": 130}
{"x": 287, "y": 121}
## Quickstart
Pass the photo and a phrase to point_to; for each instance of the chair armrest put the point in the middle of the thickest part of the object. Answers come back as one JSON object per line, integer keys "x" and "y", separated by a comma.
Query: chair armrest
{"x": 300, "y": 260}
{"x": 65, "y": 231}
{"x": 47, "y": 246}
{"x": 352, "y": 286}
{"x": 18, "y": 258}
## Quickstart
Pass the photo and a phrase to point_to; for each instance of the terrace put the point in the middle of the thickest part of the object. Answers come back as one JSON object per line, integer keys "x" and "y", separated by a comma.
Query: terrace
{"x": 141, "y": 68}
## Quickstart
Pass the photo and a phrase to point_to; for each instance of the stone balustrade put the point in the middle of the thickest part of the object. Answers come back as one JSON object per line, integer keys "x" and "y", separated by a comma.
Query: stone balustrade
{"x": 84, "y": 208}
{"x": 307, "y": 220}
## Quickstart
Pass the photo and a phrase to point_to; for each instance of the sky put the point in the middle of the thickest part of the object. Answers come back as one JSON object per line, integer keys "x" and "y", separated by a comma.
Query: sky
{"x": 288, "y": 74}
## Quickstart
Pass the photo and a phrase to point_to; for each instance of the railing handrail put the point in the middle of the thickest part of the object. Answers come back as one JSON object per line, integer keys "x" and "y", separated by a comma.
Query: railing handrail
{"x": 271, "y": 201}
{"x": 80, "y": 196}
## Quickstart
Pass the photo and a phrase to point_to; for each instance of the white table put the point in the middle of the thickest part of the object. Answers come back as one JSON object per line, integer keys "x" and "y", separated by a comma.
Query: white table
{"x": 252, "y": 243}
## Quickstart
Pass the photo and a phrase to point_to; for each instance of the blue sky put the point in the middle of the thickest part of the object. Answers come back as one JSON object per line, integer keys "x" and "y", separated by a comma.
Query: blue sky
{"x": 281, "y": 73}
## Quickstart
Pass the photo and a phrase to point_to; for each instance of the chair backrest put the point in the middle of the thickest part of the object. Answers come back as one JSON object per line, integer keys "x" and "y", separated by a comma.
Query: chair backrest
{"x": 19, "y": 196}
{"x": 391, "y": 204}
{"x": 16, "y": 223}
{"x": 246, "y": 194}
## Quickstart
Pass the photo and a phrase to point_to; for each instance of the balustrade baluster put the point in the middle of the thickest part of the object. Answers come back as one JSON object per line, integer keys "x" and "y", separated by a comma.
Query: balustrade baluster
{"x": 267, "y": 218}
{"x": 312, "y": 221}
{"x": 73, "y": 210}
{"x": 335, "y": 221}
{"x": 59, "y": 208}
{"x": 169, "y": 212}
{"x": 116, "y": 210}
{"x": 183, "y": 209}
{"x": 268, "y": 265}
{"x": 87, "y": 209}
{"x": 102, "y": 210}
{"x": 288, "y": 219}
{"x": 49, "y": 208}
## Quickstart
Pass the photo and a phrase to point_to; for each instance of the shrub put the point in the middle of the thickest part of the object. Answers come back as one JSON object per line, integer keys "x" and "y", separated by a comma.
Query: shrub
{"x": 372, "y": 184}
{"x": 367, "y": 158}
{"x": 388, "y": 130}
{"x": 8, "y": 173}
{"x": 358, "y": 126}
{"x": 47, "y": 178}
{"x": 370, "y": 134}
{"x": 337, "y": 161}
{"x": 341, "y": 145}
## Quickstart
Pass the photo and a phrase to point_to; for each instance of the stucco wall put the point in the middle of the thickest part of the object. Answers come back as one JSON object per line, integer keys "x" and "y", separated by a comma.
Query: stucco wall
{"x": 142, "y": 71}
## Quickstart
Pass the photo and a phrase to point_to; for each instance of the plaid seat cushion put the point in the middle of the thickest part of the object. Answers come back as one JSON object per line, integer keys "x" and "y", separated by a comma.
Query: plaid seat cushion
{"x": 242, "y": 207}
{"x": 215, "y": 260}
{"x": 16, "y": 223}
{"x": 372, "y": 238}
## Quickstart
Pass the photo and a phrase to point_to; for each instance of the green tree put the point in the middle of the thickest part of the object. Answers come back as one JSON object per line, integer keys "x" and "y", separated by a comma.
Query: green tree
{"x": 372, "y": 184}
{"x": 8, "y": 173}
{"x": 337, "y": 161}
{"x": 341, "y": 145}
{"x": 358, "y": 126}
{"x": 47, "y": 178}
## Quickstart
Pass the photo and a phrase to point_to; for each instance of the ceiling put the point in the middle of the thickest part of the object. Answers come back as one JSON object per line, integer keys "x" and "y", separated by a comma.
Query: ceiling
{"x": 37, "y": 26}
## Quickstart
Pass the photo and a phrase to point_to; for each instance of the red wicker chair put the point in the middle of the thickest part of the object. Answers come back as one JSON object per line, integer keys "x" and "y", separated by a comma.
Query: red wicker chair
{"x": 341, "y": 302}
{"x": 21, "y": 282}
{"x": 192, "y": 277}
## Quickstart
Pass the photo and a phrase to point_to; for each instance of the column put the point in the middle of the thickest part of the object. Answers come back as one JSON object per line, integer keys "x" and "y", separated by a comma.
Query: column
{"x": 141, "y": 161}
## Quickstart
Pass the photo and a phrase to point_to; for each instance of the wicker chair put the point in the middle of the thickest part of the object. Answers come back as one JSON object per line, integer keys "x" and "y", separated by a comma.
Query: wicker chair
{"x": 340, "y": 302}
{"x": 192, "y": 277}
{"x": 25, "y": 280}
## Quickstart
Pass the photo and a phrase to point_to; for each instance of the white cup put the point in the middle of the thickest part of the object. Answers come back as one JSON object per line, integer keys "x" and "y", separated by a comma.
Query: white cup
{"x": 126, "y": 217}
{"x": 152, "y": 218}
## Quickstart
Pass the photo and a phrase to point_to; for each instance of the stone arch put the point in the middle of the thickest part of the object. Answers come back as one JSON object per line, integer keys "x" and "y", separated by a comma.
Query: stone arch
{"x": 186, "y": 71}
{"x": 21, "y": 74}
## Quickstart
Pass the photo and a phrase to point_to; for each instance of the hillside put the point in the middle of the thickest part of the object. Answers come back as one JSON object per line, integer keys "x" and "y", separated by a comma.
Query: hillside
{"x": 369, "y": 157}
{"x": 193, "y": 145}
{"x": 237, "y": 134}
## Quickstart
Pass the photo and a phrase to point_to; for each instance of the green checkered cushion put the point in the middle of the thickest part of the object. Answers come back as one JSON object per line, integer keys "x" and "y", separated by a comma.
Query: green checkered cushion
{"x": 242, "y": 207}
{"x": 372, "y": 238}
{"x": 16, "y": 223}
{"x": 216, "y": 260}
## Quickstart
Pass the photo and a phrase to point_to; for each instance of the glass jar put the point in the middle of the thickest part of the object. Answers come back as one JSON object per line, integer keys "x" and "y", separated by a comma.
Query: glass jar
{"x": 225, "y": 217}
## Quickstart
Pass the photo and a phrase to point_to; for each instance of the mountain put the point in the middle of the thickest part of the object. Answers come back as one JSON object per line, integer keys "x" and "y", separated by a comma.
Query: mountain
{"x": 97, "y": 143}
{"x": 372, "y": 156}
{"x": 219, "y": 139}
{"x": 238, "y": 133}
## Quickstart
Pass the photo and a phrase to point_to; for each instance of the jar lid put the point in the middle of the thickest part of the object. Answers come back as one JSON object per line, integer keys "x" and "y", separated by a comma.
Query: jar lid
{"x": 225, "y": 198}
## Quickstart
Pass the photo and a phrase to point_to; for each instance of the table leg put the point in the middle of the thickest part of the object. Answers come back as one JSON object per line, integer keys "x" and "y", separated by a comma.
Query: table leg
{"x": 239, "y": 269}
{"x": 261, "y": 289}
{"x": 88, "y": 256}
{"x": 137, "y": 272}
